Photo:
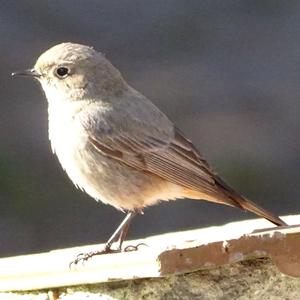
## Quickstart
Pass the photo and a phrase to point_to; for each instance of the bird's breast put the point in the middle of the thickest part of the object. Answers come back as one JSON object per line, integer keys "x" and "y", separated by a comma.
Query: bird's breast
{"x": 68, "y": 138}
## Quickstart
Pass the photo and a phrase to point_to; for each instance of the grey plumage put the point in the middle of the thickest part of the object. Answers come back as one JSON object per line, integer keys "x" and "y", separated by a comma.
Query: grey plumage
{"x": 115, "y": 144}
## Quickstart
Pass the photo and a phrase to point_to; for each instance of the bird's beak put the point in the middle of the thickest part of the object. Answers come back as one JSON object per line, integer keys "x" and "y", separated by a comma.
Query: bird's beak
{"x": 29, "y": 73}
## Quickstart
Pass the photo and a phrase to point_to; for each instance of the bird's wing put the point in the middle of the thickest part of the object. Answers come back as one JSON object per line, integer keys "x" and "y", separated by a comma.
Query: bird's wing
{"x": 165, "y": 153}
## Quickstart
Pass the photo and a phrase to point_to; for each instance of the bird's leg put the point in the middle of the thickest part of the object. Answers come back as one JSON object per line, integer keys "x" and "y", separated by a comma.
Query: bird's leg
{"x": 118, "y": 236}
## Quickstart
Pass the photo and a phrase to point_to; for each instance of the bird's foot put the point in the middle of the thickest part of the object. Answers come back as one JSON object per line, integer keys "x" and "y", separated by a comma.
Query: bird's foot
{"x": 83, "y": 257}
{"x": 130, "y": 248}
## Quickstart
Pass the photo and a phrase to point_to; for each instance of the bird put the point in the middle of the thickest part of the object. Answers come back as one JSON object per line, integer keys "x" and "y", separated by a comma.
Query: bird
{"x": 116, "y": 145}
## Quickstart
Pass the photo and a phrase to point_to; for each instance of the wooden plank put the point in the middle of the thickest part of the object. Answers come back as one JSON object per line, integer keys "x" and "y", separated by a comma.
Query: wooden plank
{"x": 165, "y": 254}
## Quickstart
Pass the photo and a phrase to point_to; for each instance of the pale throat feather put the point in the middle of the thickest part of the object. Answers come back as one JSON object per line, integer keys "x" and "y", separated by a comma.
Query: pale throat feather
{"x": 66, "y": 134}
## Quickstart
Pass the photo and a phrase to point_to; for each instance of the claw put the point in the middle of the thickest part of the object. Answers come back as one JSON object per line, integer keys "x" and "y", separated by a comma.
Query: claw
{"x": 118, "y": 236}
{"x": 130, "y": 248}
{"x": 83, "y": 257}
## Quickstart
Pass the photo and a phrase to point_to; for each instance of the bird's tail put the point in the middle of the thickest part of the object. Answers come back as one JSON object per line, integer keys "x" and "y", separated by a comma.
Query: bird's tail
{"x": 243, "y": 203}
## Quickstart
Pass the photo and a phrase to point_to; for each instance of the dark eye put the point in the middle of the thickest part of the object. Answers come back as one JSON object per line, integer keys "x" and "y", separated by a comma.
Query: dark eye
{"x": 62, "y": 72}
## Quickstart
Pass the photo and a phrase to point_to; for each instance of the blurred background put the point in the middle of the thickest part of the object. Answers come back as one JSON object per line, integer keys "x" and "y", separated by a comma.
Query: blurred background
{"x": 226, "y": 72}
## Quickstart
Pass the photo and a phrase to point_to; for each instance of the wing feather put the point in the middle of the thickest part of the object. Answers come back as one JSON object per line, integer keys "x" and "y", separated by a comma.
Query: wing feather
{"x": 165, "y": 152}
{"x": 175, "y": 160}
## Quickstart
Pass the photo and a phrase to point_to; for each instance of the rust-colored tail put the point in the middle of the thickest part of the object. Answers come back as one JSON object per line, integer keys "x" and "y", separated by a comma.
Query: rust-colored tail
{"x": 243, "y": 203}
{"x": 250, "y": 206}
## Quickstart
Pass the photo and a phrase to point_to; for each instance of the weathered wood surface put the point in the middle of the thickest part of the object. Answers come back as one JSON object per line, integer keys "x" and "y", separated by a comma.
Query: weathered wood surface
{"x": 191, "y": 261}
